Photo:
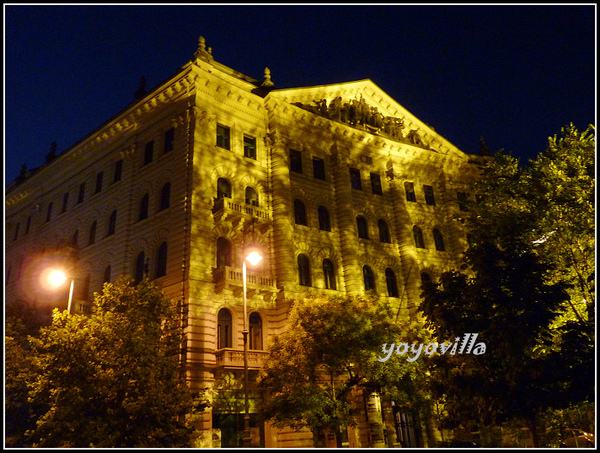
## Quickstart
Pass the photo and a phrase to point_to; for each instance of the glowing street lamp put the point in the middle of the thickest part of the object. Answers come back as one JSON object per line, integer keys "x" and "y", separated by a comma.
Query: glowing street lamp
{"x": 254, "y": 257}
{"x": 57, "y": 278}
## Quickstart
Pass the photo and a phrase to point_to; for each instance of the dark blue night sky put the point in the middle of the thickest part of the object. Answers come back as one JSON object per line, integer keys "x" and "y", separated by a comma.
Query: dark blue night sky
{"x": 512, "y": 74}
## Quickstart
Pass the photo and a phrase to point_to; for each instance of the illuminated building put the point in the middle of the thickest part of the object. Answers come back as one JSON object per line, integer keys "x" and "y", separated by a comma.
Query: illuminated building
{"x": 343, "y": 190}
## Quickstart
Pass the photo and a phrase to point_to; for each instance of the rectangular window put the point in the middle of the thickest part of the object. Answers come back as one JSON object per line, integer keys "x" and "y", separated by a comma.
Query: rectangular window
{"x": 429, "y": 197}
{"x": 81, "y": 193}
{"x": 118, "y": 170}
{"x": 49, "y": 213}
{"x": 223, "y": 136}
{"x": 295, "y": 161}
{"x": 17, "y": 231}
{"x": 99, "y": 177}
{"x": 28, "y": 225}
{"x": 376, "y": 184}
{"x": 319, "y": 168}
{"x": 409, "y": 188}
{"x": 249, "y": 147}
{"x": 169, "y": 141}
{"x": 462, "y": 201}
{"x": 355, "y": 181}
{"x": 149, "y": 152}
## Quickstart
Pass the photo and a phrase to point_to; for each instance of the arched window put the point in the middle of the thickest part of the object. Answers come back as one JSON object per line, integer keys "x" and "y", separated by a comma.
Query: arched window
{"x": 439, "y": 240}
{"x": 418, "y": 234}
{"x": 223, "y": 188}
{"x": 161, "y": 260}
{"x": 140, "y": 267}
{"x": 223, "y": 252}
{"x": 363, "y": 229}
{"x": 143, "y": 208}
{"x": 165, "y": 197}
{"x": 112, "y": 223}
{"x": 329, "y": 274}
{"x": 224, "y": 329}
{"x": 255, "y": 332}
{"x": 300, "y": 213}
{"x": 251, "y": 196}
{"x": 384, "y": 231}
{"x": 92, "y": 233}
{"x": 324, "y": 223}
{"x": 107, "y": 272}
{"x": 392, "y": 284}
{"x": 368, "y": 278}
{"x": 304, "y": 270}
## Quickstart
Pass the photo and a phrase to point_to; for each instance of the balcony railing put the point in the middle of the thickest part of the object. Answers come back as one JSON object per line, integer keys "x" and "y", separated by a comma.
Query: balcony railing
{"x": 231, "y": 358}
{"x": 228, "y": 206}
{"x": 234, "y": 278}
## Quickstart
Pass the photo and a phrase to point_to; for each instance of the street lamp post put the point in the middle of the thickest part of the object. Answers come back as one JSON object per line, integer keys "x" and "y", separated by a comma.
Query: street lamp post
{"x": 57, "y": 278}
{"x": 254, "y": 257}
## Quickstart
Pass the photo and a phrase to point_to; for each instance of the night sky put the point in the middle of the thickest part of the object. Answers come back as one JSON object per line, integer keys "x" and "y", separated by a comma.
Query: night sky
{"x": 512, "y": 74}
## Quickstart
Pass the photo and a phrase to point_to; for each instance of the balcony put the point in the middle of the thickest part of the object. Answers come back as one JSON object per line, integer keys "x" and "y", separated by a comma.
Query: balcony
{"x": 226, "y": 208}
{"x": 231, "y": 358}
{"x": 233, "y": 278}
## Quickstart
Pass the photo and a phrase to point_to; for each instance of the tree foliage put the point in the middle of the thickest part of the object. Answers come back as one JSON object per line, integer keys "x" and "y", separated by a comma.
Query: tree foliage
{"x": 111, "y": 379}
{"x": 330, "y": 347}
{"x": 527, "y": 287}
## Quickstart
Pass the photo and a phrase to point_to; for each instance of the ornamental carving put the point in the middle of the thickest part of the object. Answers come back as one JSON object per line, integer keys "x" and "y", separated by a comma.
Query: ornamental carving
{"x": 360, "y": 114}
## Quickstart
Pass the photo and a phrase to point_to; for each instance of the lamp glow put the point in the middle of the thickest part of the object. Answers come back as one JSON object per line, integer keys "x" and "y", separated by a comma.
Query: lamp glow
{"x": 57, "y": 278}
{"x": 254, "y": 258}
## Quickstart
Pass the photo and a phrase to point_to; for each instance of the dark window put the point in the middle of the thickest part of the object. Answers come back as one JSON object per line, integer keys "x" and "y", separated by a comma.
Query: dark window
{"x": 376, "y": 184}
{"x": 304, "y": 270}
{"x": 355, "y": 181}
{"x": 107, "y": 272}
{"x": 112, "y": 223}
{"x": 439, "y": 240}
{"x": 300, "y": 213}
{"x": 16, "y": 236}
{"x": 118, "y": 170}
{"x": 65, "y": 202}
{"x": 223, "y": 134}
{"x": 92, "y": 233}
{"x": 295, "y": 161}
{"x": 140, "y": 267}
{"x": 99, "y": 177}
{"x": 409, "y": 188}
{"x": 418, "y": 234}
{"x": 255, "y": 332}
{"x": 363, "y": 229}
{"x": 161, "y": 260}
{"x": 144, "y": 207}
{"x": 251, "y": 196}
{"x": 249, "y": 147}
{"x": 324, "y": 223}
{"x": 429, "y": 197}
{"x": 49, "y": 212}
{"x": 169, "y": 140}
{"x": 223, "y": 252}
{"x": 319, "y": 168}
{"x": 462, "y": 201}
{"x": 81, "y": 193}
{"x": 384, "y": 231}
{"x": 392, "y": 284}
{"x": 149, "y": 152}
{"x": 224, "y": 329}
{"x": 368, "y": 278}
{"x": 425, "y": 278}
{"x": 165, "y": 197}
{"x": 75, "y": 239}
{"x": 223, "y": 188}
{"x": 28, "y": 225}
{"x": 329, "y": 274}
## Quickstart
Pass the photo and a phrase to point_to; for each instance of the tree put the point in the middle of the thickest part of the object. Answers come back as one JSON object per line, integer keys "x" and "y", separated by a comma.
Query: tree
{"x": 330, "y": 347}
{"x": 112, "y": 379}
{"x": 526, "y": 287}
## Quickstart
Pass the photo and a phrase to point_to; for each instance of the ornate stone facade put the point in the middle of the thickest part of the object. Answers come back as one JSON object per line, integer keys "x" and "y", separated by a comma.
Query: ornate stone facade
{"x": 341, "y": 188}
